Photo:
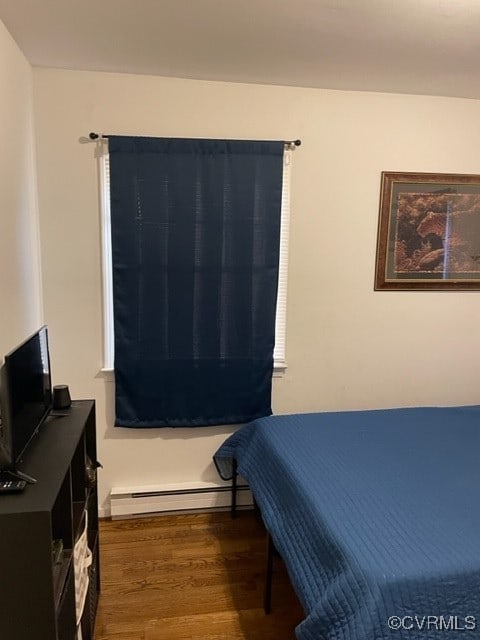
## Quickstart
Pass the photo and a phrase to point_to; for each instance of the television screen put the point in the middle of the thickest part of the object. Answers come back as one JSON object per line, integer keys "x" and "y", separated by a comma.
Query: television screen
{"x": 26, "y": 393}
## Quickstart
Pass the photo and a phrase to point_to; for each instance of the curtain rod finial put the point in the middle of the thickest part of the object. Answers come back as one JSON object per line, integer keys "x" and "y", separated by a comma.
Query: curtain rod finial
{"x": 93, "y": 136}
{"x": 291, "y": 144}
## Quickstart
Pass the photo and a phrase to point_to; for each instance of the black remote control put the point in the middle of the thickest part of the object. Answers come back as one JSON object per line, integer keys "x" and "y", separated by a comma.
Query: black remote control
{"x": 12, "y": 486}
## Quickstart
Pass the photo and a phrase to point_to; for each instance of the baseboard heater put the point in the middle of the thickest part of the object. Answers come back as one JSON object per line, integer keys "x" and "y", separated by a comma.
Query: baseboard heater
{"x": 134, "y": 501}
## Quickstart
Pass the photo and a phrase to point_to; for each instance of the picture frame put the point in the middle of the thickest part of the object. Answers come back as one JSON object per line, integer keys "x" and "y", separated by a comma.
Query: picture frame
{"x": 428, "y": 232}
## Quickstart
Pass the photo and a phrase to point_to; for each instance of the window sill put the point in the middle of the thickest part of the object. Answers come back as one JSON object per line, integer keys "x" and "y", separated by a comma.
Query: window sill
{"x": 109, "y": 375}
{"x": 279, "y": 370}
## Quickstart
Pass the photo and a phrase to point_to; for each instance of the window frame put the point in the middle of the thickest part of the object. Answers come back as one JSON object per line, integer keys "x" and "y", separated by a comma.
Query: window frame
{"x": 279, "y": 352}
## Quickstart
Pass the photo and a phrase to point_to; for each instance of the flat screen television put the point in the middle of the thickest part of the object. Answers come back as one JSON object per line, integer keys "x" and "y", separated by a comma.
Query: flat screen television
{"x": 25, "y": 397}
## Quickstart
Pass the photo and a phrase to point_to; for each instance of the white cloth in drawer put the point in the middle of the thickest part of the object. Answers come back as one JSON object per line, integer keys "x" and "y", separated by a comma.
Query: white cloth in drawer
{"x": 82, "y": 559}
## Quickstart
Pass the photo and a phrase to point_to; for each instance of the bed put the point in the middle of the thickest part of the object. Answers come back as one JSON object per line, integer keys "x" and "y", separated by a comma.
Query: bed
{"x": 376, "y": 515}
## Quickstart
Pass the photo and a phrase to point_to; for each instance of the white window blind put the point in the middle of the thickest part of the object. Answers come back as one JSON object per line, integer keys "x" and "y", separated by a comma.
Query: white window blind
{"x": 279, "y": 352}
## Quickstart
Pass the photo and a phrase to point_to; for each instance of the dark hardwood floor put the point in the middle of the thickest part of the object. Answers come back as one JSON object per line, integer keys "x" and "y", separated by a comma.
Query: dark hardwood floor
{"x": 195, "y": 577}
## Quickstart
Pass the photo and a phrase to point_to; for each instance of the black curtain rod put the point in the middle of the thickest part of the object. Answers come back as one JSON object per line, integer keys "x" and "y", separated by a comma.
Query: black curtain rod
{"x": 96, "y": 136}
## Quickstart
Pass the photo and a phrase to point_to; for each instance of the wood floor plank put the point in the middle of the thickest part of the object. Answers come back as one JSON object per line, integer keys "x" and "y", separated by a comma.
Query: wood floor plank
{"x": 190, "y": 577}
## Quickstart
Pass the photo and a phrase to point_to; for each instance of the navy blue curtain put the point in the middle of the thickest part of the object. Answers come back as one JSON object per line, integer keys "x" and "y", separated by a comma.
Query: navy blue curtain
{"x": 195, "y": 249}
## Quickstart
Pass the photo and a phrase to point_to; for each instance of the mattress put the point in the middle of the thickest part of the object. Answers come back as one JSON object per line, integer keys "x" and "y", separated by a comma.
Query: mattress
{"x": 376, "y": 515}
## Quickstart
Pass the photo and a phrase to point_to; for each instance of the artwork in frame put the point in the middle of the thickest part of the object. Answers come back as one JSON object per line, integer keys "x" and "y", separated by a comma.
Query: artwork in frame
{"x": 428, "y": 232}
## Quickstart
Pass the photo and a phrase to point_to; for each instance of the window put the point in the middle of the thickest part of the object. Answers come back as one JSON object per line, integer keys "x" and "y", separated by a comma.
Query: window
{"x": 279, "y": 354}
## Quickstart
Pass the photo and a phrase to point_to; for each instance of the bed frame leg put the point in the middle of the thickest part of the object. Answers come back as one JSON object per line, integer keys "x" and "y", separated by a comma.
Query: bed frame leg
{"x": 267, "y": 591}
{"x": 233, "y": 508}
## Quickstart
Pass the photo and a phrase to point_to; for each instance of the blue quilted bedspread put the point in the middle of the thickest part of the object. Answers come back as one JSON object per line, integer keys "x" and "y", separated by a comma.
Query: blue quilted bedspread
{"x": 376, "y": 515}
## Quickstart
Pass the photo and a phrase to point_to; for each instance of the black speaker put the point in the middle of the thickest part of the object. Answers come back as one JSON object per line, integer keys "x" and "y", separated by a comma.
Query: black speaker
{"x": 61, "y": 397}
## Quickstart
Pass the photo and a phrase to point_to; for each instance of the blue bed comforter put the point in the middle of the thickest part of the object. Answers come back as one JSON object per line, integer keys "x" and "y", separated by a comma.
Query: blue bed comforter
{"x": 376, "y": 515}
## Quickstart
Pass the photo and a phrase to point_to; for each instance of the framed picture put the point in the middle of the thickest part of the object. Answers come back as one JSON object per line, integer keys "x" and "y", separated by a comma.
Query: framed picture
{"x": 428, "y": 232}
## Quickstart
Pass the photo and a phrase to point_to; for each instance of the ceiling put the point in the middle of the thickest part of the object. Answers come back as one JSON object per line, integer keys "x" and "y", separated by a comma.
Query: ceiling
{"x": 408, "y": 46}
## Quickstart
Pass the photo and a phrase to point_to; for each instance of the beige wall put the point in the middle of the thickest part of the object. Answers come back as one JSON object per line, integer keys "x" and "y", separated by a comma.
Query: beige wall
{"x": 348, "y": 347}
{"x": 20, "y": 281}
